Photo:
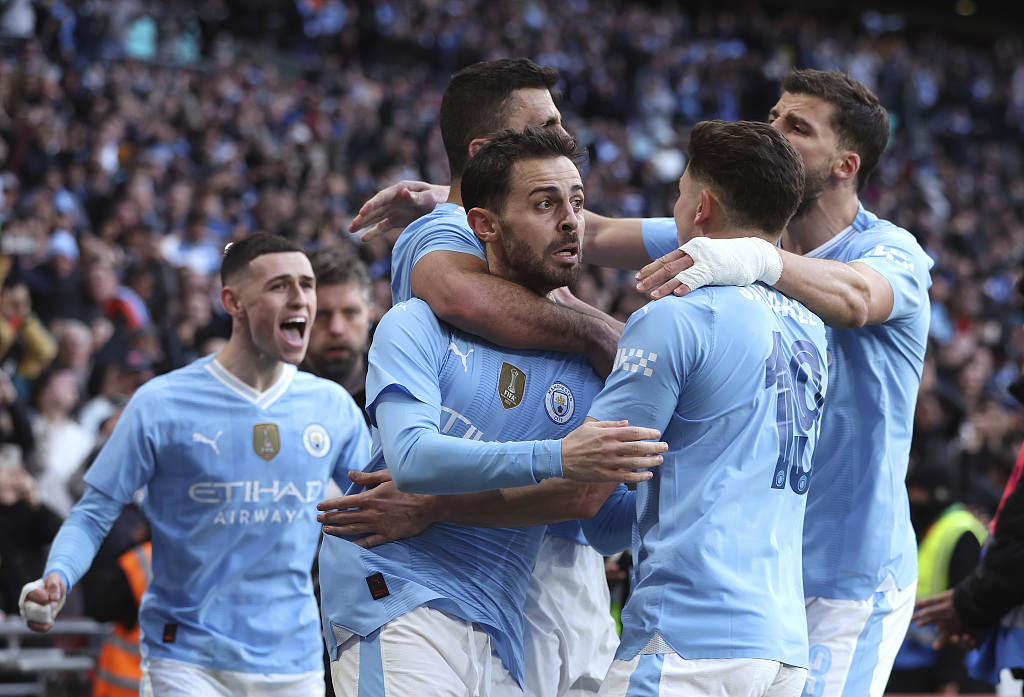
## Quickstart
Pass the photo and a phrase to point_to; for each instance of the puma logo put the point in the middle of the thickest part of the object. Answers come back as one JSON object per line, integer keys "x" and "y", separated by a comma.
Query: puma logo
{"x": 198, "y": 437}
{"x": 461, "y": 355}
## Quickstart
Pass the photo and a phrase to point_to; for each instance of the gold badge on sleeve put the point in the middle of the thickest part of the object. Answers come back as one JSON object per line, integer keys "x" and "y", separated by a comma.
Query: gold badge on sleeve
{"x": 266, "y": 441}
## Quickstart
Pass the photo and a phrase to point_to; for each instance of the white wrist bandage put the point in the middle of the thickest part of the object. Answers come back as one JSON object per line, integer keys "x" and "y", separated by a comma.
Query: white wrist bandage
{"x": 730, "y": 262}
{"x": 32, "y": 611}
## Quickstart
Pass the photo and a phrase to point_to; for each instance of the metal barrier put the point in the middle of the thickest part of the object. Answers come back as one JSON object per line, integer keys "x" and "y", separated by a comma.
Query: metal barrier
{"x": 36, "y": 667}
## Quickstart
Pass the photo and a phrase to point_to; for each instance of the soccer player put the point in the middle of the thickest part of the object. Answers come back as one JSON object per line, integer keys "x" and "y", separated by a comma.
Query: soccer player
{"x": 735, "y": 378}
{"x": 868, "y": 280}
{"x": 340, "y": 333}
{"x": 570, "y": 632}
{"x": 233, "y": 451}
{"x": 457, "y": 413}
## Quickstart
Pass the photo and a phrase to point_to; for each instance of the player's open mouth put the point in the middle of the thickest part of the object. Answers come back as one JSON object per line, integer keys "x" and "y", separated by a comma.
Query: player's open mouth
{"x": 569, "y": 253}
{"x": 294, "y": 329}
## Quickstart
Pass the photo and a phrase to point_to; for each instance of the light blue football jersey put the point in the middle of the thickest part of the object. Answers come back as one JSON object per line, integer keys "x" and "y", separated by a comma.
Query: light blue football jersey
{"x": 232, "y": 478}
{"x": 858, "y": 530}
{"x": 479, "y": 392}
{"x": 734, "y": 378}
{"x": 445, "y": 229}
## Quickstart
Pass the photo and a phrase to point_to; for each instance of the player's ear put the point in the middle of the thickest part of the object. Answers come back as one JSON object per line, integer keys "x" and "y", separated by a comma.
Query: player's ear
{"x": 231, "y": 301}
{"x": 847, "y": 166}
{"x": 706, "y": 207}
{"x": 475, "y": 145}
{"x": 484, "y": 224}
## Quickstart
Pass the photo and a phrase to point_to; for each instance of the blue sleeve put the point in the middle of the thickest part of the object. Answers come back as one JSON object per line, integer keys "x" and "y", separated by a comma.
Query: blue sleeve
{"x": 422, "y": 461}
{"x": 897, "y": 256}
{"x": 660, "y": 343}
{"x": 127, "y": 460}
{"x": 405, "y": 356}
{"x": 354, "y": 452}
{"x": 447, "y": 238}
{"x": 660, "y": 236}
{"x": 80, "y": 536}
{"x": 611, "y": 530}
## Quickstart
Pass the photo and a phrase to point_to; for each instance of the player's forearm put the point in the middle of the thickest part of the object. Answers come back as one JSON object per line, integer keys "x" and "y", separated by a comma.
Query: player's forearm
{"x": 832, "y": 290}
{"x": 610, "y": 531}
{"x": 614, "y": 242}
{"x": 553, "y": 501}
{"x": 80, "y": 536}
{"x": 423, "y": 461}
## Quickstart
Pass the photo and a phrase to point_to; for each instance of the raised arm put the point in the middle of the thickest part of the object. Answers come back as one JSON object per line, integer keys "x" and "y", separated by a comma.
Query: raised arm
{"x": 461, "y": 291}
{"x": 397, "y": 206}
{"x": 617, "y": 243}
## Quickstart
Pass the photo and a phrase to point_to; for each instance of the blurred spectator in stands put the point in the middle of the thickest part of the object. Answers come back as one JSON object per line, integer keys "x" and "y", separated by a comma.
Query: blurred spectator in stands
{"x": 57, "y": 282}
{"x": 117, "y": 303}
{"x": 116, "y": 381}
{"x": 15, "y": 426}
{"x": 194, "y": 249}
{"x": 26, "y": 347}
{"x": 74, "y": 350}
{"x": 26, "y": 528}
{"x": 61, "y": 442}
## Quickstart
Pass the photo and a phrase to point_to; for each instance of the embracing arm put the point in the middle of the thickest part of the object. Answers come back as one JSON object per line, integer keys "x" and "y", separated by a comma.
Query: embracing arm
{"x": 617, "y": 243}
{"x": 424, "y": 461}
{"x": 384, "y": 514}
{"x": 845, "y": 296}
{"x": 461, "y": 291}
{"x": 601, "y": 452}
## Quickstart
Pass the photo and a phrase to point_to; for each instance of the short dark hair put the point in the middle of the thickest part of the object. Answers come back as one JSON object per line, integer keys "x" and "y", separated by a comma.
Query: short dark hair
{"x": 753, "y": 170}
{"x": 477, "y": 100}
{"x": 237, "y": 255}
{"x": 860, "y": 121}
{"x": 333, "y": 265}
{"x": 487, "y": 180}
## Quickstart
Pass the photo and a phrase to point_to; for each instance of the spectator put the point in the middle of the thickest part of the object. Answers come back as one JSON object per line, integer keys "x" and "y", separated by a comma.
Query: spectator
{"x": 61, "y": 443}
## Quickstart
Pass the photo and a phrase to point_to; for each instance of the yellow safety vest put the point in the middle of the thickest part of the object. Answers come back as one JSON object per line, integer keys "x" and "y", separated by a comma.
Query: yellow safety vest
{"x": 936, "y": 548}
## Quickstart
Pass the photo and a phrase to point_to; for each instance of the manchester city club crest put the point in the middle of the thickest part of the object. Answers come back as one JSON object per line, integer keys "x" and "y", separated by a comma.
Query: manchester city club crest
{"x": 266, "y": 441}
{"x": 559, "y": 403}
{"x": 316, "y": 441}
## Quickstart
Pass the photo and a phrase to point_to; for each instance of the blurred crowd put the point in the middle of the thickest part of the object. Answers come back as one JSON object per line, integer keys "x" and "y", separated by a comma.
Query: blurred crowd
{"x": 137, "y": 138}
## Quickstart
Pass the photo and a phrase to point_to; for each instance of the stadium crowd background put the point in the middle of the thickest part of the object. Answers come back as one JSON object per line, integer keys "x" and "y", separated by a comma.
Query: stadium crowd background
{"x": 137, "y": 138}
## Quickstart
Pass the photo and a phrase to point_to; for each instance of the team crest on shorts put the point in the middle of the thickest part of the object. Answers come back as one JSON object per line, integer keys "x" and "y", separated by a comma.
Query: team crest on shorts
{"x": 266, "y": 441}
{"x": 559, "y": 403}
{"x": 316, "y": 441}
{"x": 511, "y": 385}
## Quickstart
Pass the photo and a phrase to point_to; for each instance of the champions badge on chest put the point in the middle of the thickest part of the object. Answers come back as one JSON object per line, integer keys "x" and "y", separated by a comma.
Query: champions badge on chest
{"x": 266, "y": 441}
{"x": 511, "y": 385}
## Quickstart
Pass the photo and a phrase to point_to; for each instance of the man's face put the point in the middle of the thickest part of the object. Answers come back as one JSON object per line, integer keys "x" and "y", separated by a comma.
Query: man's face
{"x": 534, "y": 107}
{"x": 338, "y": 337}
{"x": 542, "y": 225}
{"x": 278, "y": 300}
{"x": 806, "y": 121}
